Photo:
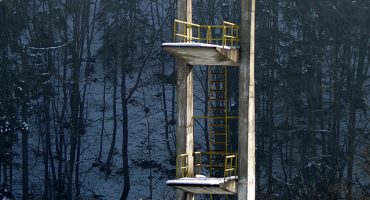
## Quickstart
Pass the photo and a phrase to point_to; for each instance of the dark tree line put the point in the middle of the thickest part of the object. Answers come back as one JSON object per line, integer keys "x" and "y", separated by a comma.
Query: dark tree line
{"x": 312, "y": 71}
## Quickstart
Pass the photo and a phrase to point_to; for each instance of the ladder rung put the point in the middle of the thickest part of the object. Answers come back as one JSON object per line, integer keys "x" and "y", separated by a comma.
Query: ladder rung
{"x": 222, "y": 134}
{"x": 217, "y": 153}
{"x": 215, "y": 142}
{"x": 218, "y": 125}
{"x": 218, "y": 137}
{"x": 217, "y": 160}
{"x": 219, "y": 146}
{"x": 217, "y": 69}
{"x": 217, "y": 90}
{"x": 221, "y": 165}
{"x": 206, "y": 164}
{"x": 217, "y": 107}
{"x": 216, "y": 99}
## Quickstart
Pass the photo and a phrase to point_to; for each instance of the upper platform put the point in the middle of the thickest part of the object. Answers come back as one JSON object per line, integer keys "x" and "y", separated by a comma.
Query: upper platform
{"x": 203, "y": 54}
{"x": 205, "y": 44}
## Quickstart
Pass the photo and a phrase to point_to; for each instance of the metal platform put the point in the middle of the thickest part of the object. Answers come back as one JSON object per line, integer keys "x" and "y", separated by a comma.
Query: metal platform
{"x": 205, "y": 185}
{"x": 204, "y": 54}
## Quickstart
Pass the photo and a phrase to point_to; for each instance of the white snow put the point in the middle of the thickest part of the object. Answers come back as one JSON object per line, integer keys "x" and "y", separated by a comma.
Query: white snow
{"x": 200, "y": 180}
{"x": 200, "y": 176}
{"x": 24, "y": 126}
{"x": 182, "y": 44}
{"x": 50, "y": 48}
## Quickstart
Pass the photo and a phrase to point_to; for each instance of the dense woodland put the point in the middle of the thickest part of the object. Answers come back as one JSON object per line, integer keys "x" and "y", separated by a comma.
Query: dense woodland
{"x": 87, "y": 97}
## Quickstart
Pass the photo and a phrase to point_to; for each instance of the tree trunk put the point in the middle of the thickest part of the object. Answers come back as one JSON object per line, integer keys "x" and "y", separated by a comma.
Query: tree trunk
{"x": 25, "y": 174}
{"x": 108, "y": 163}
{"x": 125, "y": 166}
{"x": 103, "y": 118}
{"x": 75, "y": 104}
{"x": 356, "y": 87}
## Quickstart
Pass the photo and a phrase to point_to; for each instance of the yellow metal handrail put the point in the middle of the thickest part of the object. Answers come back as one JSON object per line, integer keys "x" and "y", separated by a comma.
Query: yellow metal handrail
{"x": 231, "y": 163}
{"x": 229, "y": 23}
{"x": 185, "y": 31}
{"x": 182, "y": 165}
{"x": 198, "y": 162}
{"x": 195, "y": 33}
{"x": 215, "y": 117}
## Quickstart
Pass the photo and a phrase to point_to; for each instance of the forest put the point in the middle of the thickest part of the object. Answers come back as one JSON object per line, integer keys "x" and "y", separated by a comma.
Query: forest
{"x": 88, "y": 98}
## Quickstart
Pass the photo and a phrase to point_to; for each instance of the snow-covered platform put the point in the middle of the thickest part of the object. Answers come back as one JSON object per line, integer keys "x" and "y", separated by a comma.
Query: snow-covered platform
{"x": 203, "y": 54}
{"x": 205, "y": 185}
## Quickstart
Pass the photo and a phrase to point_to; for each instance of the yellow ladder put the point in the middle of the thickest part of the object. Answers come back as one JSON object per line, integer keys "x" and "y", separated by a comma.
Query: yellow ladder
{"x": 217, "y": 108}
{"x": 218, "y": 126}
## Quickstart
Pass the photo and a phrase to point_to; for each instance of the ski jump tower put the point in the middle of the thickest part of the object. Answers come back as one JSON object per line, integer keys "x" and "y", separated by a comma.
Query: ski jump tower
{"x": 219, "y": 47}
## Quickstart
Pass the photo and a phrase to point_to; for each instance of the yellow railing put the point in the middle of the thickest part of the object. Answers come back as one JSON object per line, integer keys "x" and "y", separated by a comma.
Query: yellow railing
{"x": 230, "y": 162}
{"x": 226, "y": 34}
{"x": 182, "y": 165}
{"x": 198, "y": 162}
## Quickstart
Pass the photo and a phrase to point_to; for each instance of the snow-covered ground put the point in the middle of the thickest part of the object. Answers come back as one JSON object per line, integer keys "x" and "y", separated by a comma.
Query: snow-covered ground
{"x": 95, "y": 182}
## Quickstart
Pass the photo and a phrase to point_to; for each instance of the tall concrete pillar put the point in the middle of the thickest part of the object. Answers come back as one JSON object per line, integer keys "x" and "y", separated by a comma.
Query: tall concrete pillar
{"x": 252, "y": 111}
{"x": 184, "y": 128}
{"x": 246, "y": 126}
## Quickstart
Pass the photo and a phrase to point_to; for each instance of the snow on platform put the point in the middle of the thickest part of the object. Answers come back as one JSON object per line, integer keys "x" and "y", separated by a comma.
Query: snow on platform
{"x": 183, "y": 44}
{"x": 205, "y": 185}
{"x": 203, "y": 54}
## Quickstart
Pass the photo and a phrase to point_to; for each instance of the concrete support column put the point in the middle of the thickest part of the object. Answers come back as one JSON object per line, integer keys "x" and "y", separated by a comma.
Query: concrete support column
{"x": 246, "y": 123}
{"x": 184, "y": 129}
{"x": 252, "y": 111}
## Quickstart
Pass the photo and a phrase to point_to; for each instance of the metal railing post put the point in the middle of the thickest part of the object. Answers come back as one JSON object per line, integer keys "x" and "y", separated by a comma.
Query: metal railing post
{"x": 223, "y": 36}
{"x": 185, "y": 33}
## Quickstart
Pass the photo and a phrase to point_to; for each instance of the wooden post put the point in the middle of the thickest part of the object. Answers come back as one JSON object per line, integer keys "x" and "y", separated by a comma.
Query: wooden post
{"x": 246, "y": 124}
{"x": 184, "y": 128}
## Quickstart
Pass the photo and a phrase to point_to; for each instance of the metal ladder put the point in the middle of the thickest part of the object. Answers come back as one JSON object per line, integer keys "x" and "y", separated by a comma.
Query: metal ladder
{"x": 217, "y": 108}
{"x": 218, "y": 126}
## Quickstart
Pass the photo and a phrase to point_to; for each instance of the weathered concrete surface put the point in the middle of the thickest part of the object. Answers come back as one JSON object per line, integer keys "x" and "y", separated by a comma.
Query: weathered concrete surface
{"x": 244, "y": 75}
{"x": 204, "y": 190}
{"x": 184, "y": 130}
{"x": 205, "y": 185}
{"x": 184, "y": 125}
{"x": 204, "y": 55}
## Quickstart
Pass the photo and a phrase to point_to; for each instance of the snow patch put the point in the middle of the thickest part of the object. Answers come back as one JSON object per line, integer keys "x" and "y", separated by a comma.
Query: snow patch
{"x": 181, "y": 44}
{"x": 200, "y": 180}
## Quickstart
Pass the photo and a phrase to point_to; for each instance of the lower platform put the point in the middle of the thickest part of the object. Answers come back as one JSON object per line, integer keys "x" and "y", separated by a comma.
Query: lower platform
{"x": 205, "y": 185}
{"x": 203, "y": 54}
